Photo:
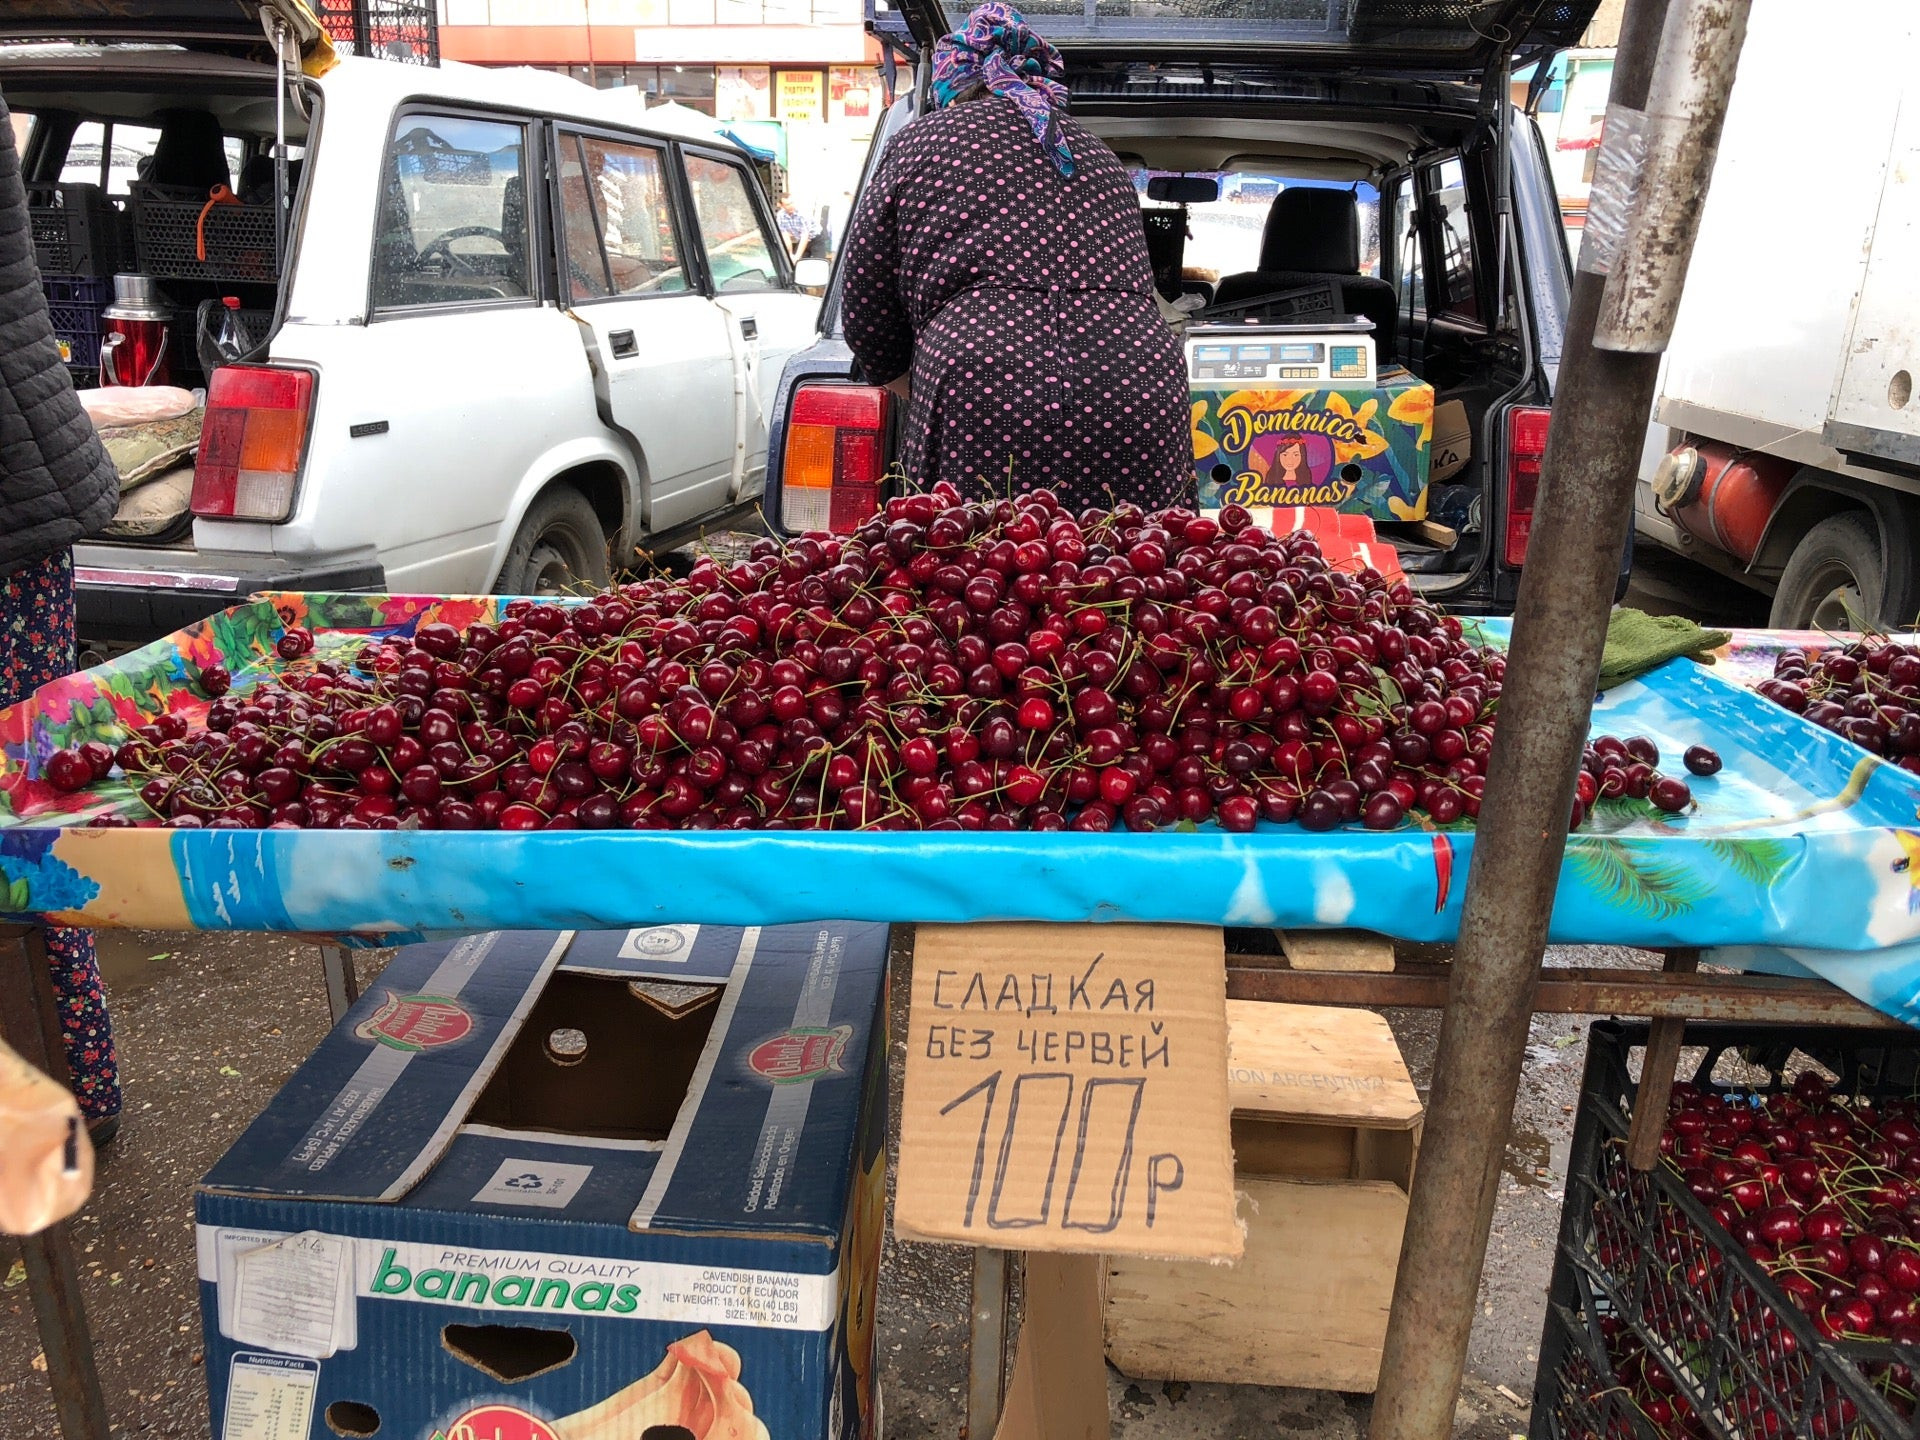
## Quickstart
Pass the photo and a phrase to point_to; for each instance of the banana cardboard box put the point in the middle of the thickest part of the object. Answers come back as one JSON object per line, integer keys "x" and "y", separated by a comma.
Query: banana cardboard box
{"x": 1362, "y": 449}
{"x": 601, "y": 1185}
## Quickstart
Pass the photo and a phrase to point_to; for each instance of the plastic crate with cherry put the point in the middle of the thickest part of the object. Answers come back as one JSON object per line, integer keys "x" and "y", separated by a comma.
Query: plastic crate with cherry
{"x": 1763, "y": 1280}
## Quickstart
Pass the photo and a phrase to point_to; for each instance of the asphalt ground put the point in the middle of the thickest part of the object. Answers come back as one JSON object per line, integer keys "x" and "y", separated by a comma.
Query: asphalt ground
{"x": 210, "y": 1026}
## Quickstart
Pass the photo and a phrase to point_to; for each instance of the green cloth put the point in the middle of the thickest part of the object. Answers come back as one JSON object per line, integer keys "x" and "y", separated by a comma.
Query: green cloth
{"x": 1638, "y": 642}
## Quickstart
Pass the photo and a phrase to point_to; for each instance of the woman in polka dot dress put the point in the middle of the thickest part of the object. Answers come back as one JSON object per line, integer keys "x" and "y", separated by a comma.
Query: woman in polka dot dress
{"x": 998, "y": 261}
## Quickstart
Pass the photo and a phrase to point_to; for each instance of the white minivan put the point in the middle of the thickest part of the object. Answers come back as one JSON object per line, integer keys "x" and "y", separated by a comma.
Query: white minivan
{"x": 505, "y": 329}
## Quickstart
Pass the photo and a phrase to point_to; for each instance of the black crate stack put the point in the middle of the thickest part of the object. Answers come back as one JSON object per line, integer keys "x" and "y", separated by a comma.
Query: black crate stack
{"x": 1645, "y": 1277}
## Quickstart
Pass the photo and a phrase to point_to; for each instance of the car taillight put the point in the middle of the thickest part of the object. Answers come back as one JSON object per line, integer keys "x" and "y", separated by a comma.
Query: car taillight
{"x": 251, "y": 442}
{"x": 1526, "y": 448}
{"x": 835, "y": 458}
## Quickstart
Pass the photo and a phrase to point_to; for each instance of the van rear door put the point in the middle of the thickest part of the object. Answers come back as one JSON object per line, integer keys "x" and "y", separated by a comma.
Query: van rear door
{"x": 1429, "y": 39}
{"x": 229, "y": 26}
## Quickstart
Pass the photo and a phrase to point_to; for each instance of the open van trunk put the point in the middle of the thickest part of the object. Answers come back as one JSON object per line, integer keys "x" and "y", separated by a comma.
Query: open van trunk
{"x": 168, "y": 175}
{"x": 147, "y": 143}
{"x": 1283, "y": 209}
{"x": 1453, "y": 253}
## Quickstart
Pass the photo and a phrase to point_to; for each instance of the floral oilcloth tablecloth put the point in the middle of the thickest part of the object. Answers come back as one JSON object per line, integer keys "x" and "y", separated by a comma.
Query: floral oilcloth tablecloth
{"x": 1801, "y": 852}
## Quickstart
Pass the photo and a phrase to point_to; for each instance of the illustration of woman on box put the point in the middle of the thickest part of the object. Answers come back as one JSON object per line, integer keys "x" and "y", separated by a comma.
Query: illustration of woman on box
{"x": 1288, "y": 470}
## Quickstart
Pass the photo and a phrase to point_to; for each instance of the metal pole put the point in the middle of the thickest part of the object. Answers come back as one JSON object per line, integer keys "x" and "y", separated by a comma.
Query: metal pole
{"x": 987, "y": 1341}
{"x": 30, "y": 1023}
{"x": 342, "y": 980}
{"x": 1671, "y": 78}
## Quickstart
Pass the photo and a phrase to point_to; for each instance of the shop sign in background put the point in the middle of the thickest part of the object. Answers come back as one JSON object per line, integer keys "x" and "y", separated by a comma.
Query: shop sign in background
{"x": 801, "y": 95}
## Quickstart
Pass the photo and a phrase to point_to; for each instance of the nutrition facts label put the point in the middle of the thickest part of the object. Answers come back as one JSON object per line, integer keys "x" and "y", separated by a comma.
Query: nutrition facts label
{"x": 269, "y": 1397}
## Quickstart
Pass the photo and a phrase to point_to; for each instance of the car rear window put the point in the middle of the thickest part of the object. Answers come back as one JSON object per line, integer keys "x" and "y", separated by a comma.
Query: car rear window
{"x": 113, "y": 154}
{"x": 1223, "y": 236}
{"x": 1459, "y": 282}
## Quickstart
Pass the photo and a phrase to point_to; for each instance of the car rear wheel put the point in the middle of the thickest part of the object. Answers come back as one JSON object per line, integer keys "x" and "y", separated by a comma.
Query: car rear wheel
{"x": 1836, "y": 579}
{"x": 559, "y": 548}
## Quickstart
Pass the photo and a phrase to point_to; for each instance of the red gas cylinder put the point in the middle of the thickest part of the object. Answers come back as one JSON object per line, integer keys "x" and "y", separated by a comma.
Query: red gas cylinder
{"x": 1721, "y": 495}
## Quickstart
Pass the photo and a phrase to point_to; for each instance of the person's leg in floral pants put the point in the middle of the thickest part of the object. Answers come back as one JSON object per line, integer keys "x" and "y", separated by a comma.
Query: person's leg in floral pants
{"x": 36, "y": 646}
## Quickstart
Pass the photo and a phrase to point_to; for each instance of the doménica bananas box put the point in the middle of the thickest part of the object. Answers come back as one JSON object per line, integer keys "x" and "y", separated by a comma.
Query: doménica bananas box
{"x": 566, "y": 1186}
{"x": 1266, "y": 435}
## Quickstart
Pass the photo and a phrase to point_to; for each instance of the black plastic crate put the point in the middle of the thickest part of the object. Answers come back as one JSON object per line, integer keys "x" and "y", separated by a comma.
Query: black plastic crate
{"x": 404, "y": 30}
{"x": 92, "y": 290}
{"x": 1643, "y": 1267}
{"x": 1578, "y": 1396}
{"x": 239, "y": 241}
{"x": 74, "y": 303}
{"x": 77, "y": 231}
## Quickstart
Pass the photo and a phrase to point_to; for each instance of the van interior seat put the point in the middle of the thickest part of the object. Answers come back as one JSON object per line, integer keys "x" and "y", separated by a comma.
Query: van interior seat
{"x": 1312, "y": 237}
{"x": 190, "y": 154}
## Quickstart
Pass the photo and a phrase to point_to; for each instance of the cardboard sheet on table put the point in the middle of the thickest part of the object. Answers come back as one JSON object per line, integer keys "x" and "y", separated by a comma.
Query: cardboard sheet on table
{"x": 1802, "y": 841}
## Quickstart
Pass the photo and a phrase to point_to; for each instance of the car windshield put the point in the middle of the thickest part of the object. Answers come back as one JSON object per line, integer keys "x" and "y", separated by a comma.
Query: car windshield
{"x": 1224, "y": 235}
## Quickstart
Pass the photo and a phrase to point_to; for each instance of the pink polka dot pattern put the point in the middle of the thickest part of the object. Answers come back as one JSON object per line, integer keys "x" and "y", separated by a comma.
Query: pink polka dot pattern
{"x": 1023, "y": 303}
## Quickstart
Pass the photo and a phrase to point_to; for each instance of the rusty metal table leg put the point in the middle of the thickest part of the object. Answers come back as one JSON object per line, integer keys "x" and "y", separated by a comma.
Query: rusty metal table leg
{"x": 343, "y": 980}
{"x": 1656, "y": 1074}
{"x": 987, "y": 1342}
{"x": 30, "y": 1023}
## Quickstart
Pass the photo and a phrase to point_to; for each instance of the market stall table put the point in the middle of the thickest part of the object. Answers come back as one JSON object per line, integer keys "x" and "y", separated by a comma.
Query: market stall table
{"x": 1800, "y": 844}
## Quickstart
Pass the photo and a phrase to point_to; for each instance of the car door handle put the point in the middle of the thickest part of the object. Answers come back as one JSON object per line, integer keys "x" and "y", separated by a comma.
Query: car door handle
{"x": 624, "y": 346}
{"x": 749, "y": 327}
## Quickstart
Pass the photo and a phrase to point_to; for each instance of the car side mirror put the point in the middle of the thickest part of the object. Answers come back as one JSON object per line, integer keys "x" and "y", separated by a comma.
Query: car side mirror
{"x": 811, "y": 274}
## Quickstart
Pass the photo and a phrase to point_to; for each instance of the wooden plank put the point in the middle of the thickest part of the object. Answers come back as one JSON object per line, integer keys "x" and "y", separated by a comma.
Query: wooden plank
{"x": 1656, "y": 1082}
{"x": 1434, "y": 533}
{"x": 1289, "y": 1150}
{"x": 1317, "y": 1063}
{"x": 1306, "y": 1305}
{"x": 1058, "y": 1390}
{"x": 1344, "y": 950}
{"x": 1759, "y": 999}
{"x": 1385, "y": 1155}
{"x": 987, "y": 1339}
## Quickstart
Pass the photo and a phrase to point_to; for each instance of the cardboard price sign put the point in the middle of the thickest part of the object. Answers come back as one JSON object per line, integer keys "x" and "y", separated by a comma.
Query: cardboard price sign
{"x": 1066, "y": 1089}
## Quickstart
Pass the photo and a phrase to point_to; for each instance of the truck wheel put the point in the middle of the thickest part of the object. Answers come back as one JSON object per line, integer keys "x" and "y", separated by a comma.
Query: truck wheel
{"x": 1836, "y": 579}
{"x": 559, "y": 548}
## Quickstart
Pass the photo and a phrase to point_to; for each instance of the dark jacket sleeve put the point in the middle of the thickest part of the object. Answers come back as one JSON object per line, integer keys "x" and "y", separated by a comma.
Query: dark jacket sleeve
{"x": 873, "y": 311}
{"x": 56, "y": 482}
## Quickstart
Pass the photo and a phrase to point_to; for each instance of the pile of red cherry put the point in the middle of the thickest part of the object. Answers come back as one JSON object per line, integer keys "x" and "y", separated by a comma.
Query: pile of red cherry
{"x": 1867, "y": 691}
{"x": 1822, "y": 1193}
{"x": 990, "y": 665}
{"x": 1612, "y": 768}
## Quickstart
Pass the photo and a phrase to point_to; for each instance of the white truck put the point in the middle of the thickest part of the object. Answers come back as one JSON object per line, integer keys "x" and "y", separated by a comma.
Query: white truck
{"x": 1785, "y": 445}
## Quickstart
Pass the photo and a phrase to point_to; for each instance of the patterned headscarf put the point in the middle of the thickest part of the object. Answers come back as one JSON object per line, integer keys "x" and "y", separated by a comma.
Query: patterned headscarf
{"x": 998, "y": 49}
